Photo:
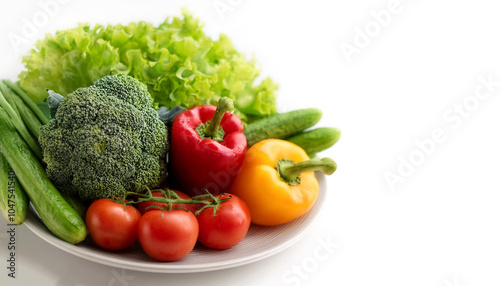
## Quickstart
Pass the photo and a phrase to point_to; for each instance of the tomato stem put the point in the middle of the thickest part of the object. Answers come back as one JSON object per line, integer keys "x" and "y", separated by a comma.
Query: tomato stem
{"x": 290, "y": 171}
{"x": 170, "y": 198}
{"x": 215, "y": 202}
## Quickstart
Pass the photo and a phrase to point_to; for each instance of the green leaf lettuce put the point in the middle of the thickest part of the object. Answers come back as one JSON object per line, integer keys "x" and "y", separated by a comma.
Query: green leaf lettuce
{"x": 177, "y": 61}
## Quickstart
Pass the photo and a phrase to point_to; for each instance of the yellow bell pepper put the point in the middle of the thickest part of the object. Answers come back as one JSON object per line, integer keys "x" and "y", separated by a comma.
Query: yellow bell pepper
{"x": 277, "y": 181}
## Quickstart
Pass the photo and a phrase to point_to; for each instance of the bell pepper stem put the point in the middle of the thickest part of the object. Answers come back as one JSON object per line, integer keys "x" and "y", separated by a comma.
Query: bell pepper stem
{"x": 224, "y": 105}
{"x": 290, "y": 171}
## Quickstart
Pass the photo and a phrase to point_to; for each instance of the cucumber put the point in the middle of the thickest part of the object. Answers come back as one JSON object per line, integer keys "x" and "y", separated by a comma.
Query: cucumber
{"x": 14, "y": 202}
{"x": 57, "y": 215}
{"x": 282, "y": 125}
{"x": 15, "y": 120}
{"x": 316, "y": 140}
{"x": 79, "y": 206}
{"x": 25, "y": 113}
{"x": 28, "y": 117}
{"x": 28, "y": 101}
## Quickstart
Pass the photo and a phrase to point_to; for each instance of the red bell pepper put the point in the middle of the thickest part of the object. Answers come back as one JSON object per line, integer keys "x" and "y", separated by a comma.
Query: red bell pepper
{"x": 207, "y": 149}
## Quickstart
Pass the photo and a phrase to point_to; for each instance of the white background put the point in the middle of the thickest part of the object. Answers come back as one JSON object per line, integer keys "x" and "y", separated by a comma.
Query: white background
{"x": 438, "y": 226}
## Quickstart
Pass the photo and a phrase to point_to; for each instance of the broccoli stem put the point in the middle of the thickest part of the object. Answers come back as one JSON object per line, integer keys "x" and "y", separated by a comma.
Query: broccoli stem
{"x": 54, "y": 100}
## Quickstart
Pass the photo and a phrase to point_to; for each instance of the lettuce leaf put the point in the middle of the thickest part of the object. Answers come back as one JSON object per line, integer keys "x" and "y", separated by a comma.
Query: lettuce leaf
{"x": 178, "y": 62}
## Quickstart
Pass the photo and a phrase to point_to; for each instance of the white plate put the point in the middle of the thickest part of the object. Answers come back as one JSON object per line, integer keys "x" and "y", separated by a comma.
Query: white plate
{"x": 260, "y": 242}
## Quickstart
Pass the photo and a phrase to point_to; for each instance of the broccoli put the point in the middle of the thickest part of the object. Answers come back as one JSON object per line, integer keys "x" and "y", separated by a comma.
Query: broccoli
{"x": 105, "y": 140}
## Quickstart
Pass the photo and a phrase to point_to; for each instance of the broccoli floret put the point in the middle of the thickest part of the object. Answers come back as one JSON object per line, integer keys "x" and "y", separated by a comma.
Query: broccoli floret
{"x": 105, "y": 140}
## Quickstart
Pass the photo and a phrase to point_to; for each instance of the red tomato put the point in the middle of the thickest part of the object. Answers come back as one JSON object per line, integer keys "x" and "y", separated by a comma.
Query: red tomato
{"x": 228, "y": 227}
{"x": 111, "y": 225}
{"x": 143, "y": 205}
{"x": 168, "y": 235}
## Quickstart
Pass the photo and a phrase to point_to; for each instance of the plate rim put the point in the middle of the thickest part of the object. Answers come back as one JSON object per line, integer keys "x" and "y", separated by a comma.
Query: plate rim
{"x": 171, "y": 267}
